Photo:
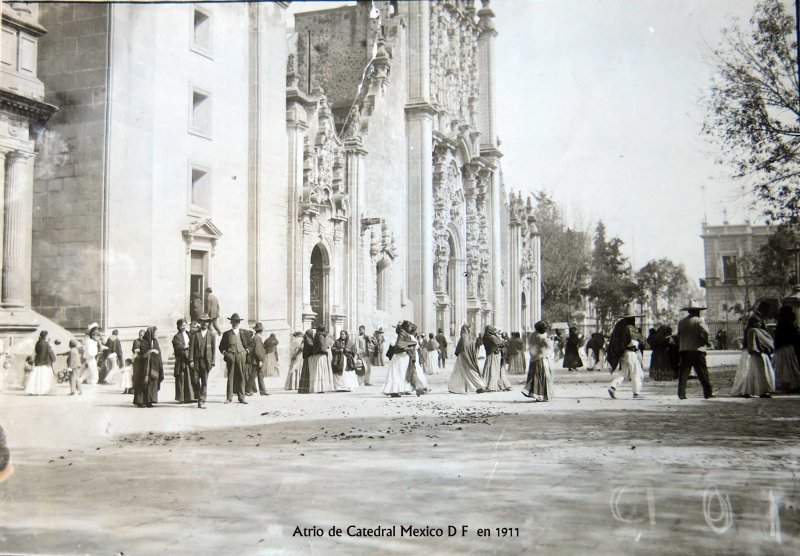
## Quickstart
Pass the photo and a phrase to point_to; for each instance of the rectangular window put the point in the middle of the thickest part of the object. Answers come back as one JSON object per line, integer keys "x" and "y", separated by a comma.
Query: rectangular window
{"x": 201, "y": 30}
{"x": 199, "y": 190}
{"x": 8, "y": 49}
{"x": 729, "y": 270}
{"x": 200, "y": 115}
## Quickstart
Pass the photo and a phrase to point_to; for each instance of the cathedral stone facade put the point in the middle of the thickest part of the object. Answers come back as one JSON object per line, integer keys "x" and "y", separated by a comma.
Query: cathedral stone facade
{"x": 348, "y": 175}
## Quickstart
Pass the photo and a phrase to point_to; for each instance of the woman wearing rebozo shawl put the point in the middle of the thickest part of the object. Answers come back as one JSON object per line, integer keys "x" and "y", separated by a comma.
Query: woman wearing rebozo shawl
{"x": 466, "y": 376}
{"x": 307, "y": 374}
{"x": 148, "y": 371}
{"x": 295, "y": 362}
{"x": 755, "y": 376}
{"x": 493, "y": 373}
{"x": 402, "y": 366}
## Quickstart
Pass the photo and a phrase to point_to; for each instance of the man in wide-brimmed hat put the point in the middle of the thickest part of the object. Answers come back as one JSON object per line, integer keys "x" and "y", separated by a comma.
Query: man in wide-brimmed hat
{"x": 693, "y": 338}
{"x": 256, "y": 362}
{"x": 624, "y": 351}
{"x": 202, "y": 354}
{"x": 233, "y": 347}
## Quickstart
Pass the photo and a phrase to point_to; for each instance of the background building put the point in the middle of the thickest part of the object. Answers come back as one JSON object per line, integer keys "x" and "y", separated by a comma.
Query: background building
{"x": 731, "y": 292}
{"x": 348, "y": 175}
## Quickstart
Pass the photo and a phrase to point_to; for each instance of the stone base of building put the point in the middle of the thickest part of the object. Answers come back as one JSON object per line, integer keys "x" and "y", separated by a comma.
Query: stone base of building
{"x": 19, "y": 332}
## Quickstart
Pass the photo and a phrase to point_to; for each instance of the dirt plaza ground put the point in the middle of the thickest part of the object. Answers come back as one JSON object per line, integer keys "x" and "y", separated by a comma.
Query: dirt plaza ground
{"x": 493, "y": 473}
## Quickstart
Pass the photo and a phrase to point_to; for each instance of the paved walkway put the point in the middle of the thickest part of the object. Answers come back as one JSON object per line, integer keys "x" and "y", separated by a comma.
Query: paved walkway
{"x": 583, "y": 474}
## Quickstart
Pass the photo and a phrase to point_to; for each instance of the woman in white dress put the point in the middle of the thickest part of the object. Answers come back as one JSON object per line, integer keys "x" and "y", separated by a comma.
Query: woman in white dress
{"x": 431, "y": 355}
{"x": 41, "y": 377}
{"x": 344, "y": 366}
{"x": 295, "y": 362}
{"x": 466, "y": 375}
{"x": 755, "y": 376}
{"x": 91, "y": 347}
{"x": 401, "y": 365}
{"x": 320, "y": 362}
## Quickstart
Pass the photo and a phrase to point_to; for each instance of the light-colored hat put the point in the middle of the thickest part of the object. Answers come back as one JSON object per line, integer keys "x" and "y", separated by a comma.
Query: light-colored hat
{"x": 630, "y": 312}
{"x": 92, "y": 326}
{"x": 694, "y": 305}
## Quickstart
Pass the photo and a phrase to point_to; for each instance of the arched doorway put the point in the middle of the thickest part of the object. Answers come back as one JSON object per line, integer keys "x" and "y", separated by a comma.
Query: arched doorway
{"x": 320, "y": 293}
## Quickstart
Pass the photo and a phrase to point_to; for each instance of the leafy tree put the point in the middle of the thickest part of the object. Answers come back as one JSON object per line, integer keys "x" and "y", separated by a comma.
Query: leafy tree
{"x": 610, "y": 286}
{"x": 565, "y": 261}
{"x": 774, "y": 262}
{"x": 753, "y": 108}
{"x": 662, "y": 287}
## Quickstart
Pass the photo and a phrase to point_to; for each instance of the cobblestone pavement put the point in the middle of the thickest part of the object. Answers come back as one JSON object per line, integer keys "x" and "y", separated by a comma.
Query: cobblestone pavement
{"x": 583, "y": 474}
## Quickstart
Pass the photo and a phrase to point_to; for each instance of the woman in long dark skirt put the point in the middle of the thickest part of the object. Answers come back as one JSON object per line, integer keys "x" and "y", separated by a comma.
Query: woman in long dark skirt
{"x": 572, "y": 356}
{"x": 661, "y": 362}
{"x": 149, "y": 370}
{"x": 539, "y": 384}
{"x": 304, "y": 386}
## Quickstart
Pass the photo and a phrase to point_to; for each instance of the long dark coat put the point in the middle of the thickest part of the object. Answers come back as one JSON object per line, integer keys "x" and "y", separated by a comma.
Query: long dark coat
{"x": 148, "y": 371}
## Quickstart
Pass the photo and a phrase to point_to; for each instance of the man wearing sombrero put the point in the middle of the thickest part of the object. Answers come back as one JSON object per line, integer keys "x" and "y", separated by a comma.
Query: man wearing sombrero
{"x": 693, "y": 338}
{"x": 624, "y": 347}
{"x": 233, "y": 347}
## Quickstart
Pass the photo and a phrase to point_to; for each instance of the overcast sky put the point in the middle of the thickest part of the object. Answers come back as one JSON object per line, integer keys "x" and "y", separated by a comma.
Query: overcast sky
{"x": 598, "y": 102}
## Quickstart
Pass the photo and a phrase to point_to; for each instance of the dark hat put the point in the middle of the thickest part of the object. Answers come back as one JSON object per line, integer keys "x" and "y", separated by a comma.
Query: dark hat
{"x": 694, "y": 305}
{"x": 258, "y": 327}
{"x": 204, "y": 317}
{"x": 235, "y": 318}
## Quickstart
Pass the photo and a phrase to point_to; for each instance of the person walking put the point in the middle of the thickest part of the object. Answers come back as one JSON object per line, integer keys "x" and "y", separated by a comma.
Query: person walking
{"x": 233, "y": 347}
{"x": 572, "y": 355}
{"x": 442, "y": 340}
{"x": 113, "y": 357}
{"x": 202, "y": 354}
{"x": 433, "y": 355}
{"x": 493, "y": 372}
{"x": 212, "y": 309}
{"x": 755, "y": 376}
{"x": 624, "y": 353}
{"x": 693, "y": 340}
{"x": 466, "y": 375}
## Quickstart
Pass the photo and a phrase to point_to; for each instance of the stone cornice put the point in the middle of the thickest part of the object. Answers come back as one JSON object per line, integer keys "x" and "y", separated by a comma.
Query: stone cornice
{"x": 491, "y": 153}
{"x": 308, "y": 100}
{"x": 422, "y": 107}
{"x": 33, "y": 28}
{"x": 36, "y": 110}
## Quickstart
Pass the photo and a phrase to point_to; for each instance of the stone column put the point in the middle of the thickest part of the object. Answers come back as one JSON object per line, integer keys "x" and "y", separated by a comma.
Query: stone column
{"x": 3, "y": 153}
{"x": 17, "y": 233}
{"x": 356, "y": 190}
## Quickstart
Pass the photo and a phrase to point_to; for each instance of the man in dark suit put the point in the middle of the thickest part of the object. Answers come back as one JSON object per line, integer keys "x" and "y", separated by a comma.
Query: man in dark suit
{"x": 202, "y": 346}
{"x": 234, "y": 349}
{"x": 442, "y": 340}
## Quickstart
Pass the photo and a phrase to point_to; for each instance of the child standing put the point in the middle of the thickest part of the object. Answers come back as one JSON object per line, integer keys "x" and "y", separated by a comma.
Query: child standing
{"x": 126, "y": 380}
{"x": 74, "y": 368}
